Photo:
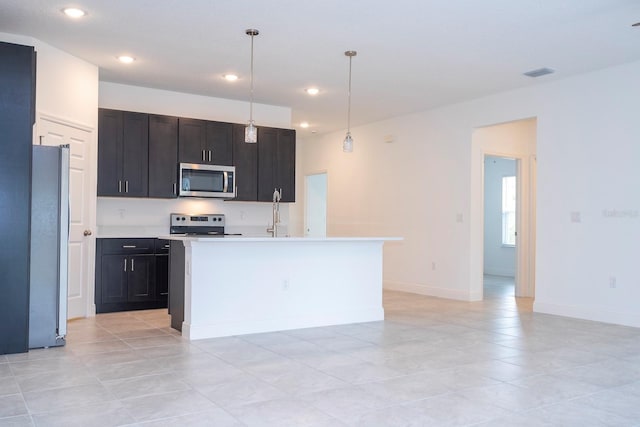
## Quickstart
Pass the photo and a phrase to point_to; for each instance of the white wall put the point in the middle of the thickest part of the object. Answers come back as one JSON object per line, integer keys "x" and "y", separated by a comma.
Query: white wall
{"x": 147, "y": 100}
{"x": 423, "y": 187}
{"x": 151, "y": 216}
{"x": 498, "y": 259}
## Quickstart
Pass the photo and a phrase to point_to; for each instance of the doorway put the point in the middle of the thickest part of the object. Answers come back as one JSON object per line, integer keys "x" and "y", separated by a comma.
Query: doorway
{"x": 316, "y": 205}
{"x": 82, "y": 196}
{"x": 500, "y": 211}
{"x": 515, "y": 140}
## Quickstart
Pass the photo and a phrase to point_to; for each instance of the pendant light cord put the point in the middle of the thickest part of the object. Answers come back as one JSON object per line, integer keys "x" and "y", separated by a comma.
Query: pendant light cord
{"x": 251, "y": 90}
{"x": 349, "y": 107}
{"x": 350, "y": 54}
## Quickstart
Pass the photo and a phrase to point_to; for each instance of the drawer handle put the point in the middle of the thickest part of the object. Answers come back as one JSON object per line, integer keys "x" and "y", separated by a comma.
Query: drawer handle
{"x": 167, "y": 246}
{"x": 129, "y": 246}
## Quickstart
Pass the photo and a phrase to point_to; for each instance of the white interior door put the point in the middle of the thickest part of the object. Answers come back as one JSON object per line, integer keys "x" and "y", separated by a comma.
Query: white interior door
{"x": 81, "y": 217}
{"x": 316, "y": 205}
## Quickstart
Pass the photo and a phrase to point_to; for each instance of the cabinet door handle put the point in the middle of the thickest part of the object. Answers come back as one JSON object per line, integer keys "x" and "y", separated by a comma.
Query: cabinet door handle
{"x": 126, "y": 186}
{"x": 129, "y": 246}
{"x": 209, "y": 155}
{"x": 119, "y": 186}
{"x": 133, "y": 266}
{"x": 203, "y": 158}
{"x": 167, "y": 246}
{"x": 164, "y": 293}
{"x": 174, "y": 188}
{"x": 125, "y": 264}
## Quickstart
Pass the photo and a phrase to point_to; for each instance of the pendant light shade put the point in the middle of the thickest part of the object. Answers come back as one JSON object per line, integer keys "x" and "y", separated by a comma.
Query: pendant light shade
{"x": 251, "y": 132}
{"x": 347, "y": 144}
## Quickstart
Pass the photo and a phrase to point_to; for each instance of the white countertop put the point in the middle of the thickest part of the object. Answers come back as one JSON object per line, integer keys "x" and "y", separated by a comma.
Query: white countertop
{"x": 229, "y": 239}
{"x": 130, "y": 232}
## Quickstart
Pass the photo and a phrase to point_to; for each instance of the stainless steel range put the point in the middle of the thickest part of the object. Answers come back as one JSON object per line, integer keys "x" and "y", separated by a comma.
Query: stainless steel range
{"x": 200, "y": 225}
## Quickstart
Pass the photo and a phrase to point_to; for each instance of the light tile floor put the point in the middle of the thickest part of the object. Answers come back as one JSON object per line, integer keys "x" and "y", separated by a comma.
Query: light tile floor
{"x": 432, "y": 362}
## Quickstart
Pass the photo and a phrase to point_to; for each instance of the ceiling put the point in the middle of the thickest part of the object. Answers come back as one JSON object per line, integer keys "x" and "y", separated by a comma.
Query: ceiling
{"x": 412, "y": 55}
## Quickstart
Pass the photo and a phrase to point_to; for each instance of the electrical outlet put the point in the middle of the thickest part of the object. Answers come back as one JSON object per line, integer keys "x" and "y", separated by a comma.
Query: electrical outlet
{"x": 433, "y": 265}
{"x": 285, "y": 285}
{"x": 575, "y": 217}
{"x": 612, "y": 282}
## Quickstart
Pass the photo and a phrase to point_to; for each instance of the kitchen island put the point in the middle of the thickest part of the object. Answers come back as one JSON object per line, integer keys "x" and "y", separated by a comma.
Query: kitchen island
{"x": 223, "y": 286}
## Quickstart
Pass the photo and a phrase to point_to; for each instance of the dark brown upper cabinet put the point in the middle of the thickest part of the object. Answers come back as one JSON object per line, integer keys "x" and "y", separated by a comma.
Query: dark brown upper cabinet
{"x": 205, "y": 142}
{"x": 163, "y": 156}
{"x": 276, "y": 164}
{"x": 123, "y": 153}
{"x": 245, "y": 159}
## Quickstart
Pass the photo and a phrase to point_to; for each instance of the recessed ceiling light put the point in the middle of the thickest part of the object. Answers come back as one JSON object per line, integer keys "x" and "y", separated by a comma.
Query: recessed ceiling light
{"x": 73, "y": 12}
{"x": 126, "y": 59}
{"x": 304, "y": 125}
{"x": 312, "y": 91}
{"x": 230, "y": 77}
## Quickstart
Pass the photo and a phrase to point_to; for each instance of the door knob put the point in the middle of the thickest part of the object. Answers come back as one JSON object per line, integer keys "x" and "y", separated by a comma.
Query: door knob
{"x": 87, "y": 232}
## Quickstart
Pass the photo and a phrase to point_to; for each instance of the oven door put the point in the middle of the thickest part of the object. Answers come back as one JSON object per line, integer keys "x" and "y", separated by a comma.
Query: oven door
{"x": 207, "y": 181}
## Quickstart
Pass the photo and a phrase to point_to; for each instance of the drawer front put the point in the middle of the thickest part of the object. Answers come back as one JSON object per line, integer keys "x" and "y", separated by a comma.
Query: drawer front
{"x": 162, "y": 246}
{"x": 128, "y": 246}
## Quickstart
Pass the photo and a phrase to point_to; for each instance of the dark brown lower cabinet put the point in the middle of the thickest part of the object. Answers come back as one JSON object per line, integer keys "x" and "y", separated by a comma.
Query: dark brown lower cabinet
{"x": 162, "y": 269}
{"x": 176, "y": 284}
{"x": 131, "y": 274}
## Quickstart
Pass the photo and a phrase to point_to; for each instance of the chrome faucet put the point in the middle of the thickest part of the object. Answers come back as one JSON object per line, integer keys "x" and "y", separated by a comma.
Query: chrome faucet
{"x": 275, "y": 210}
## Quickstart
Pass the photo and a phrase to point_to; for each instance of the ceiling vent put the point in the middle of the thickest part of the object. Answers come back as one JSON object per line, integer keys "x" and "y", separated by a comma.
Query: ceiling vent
{"x": 539, "y": 72}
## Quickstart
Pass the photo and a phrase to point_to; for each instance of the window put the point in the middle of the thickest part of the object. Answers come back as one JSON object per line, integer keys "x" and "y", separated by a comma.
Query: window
{"x": 509, "y": 210}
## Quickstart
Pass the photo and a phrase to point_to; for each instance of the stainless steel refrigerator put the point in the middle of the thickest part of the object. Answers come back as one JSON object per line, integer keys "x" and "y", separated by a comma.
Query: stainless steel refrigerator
{"x": 49, "y": 246}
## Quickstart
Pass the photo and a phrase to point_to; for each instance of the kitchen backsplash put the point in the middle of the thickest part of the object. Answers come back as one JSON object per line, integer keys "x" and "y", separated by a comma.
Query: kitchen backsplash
{"x": 125, "y": 217}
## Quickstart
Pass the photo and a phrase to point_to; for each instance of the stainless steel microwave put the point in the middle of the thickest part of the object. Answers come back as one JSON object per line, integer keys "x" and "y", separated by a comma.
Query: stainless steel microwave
{"x": 198, "y": 180}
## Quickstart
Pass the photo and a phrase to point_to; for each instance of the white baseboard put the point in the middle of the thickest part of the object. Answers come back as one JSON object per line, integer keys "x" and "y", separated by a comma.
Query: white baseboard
{"x": 588, "y": 313}
{"x": 311, "y": 320}
{"x": 498, "y": 272}
{"x": 433, "y": 291}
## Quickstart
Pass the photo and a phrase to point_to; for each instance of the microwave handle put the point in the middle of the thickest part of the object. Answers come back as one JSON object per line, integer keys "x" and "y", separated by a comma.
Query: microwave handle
{"x": 226, "y": 182}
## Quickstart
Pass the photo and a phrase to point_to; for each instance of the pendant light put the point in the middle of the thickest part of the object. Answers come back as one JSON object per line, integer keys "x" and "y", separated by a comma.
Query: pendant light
{"x": 251, "y": 132}
{"x": 347, "y": 144}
